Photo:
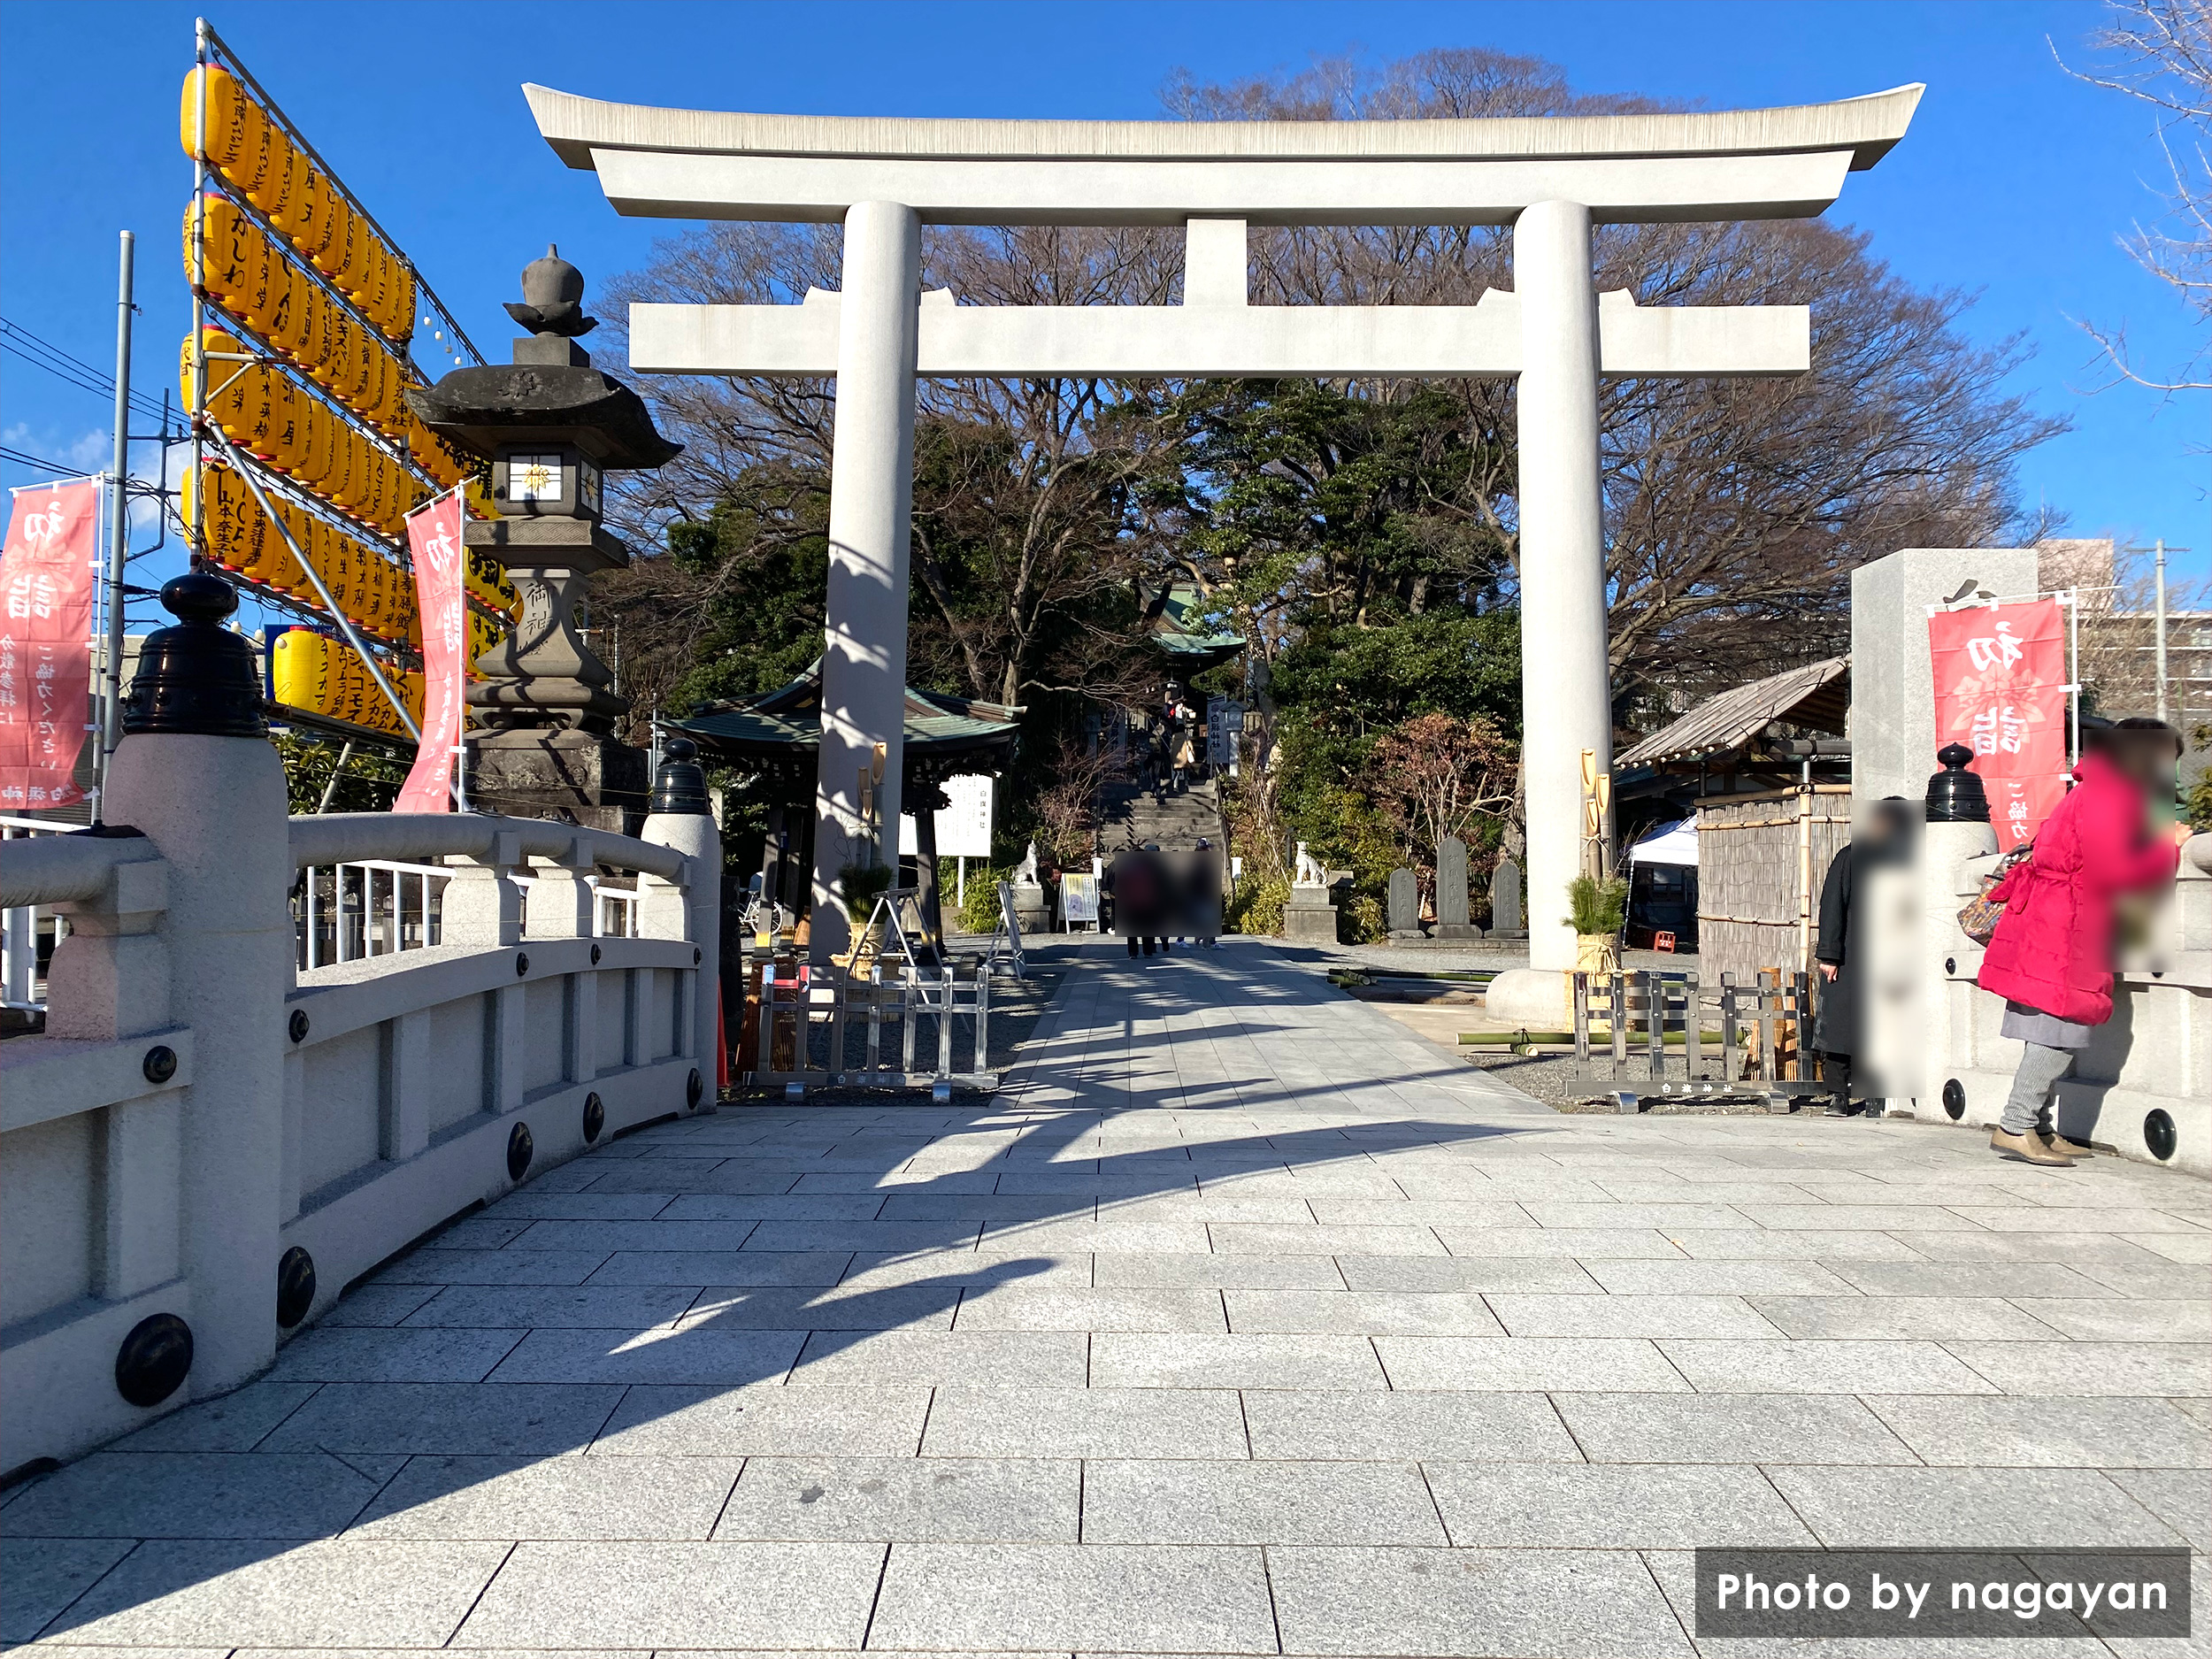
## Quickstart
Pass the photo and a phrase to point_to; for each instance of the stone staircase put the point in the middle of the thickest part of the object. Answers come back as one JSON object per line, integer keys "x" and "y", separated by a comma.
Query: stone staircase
{"x": 1129, "y": 816}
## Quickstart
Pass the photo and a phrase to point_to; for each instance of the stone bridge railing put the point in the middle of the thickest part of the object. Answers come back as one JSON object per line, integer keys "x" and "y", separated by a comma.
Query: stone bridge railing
{"x": 207, "y": 1144}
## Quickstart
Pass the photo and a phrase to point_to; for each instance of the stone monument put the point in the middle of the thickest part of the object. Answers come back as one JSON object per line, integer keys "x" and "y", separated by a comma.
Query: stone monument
{"x": 552, "y": 426}
{"x": 1452, "y": 920}
{"x": 1405, "y": 905}
{"x": 1505, "y": 900}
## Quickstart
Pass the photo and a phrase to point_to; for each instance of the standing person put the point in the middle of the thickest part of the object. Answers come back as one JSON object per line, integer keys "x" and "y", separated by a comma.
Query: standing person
{"x": 1205, "y": 896}
{"x": 1838, "y": 952}
{"x": 2051, "y": 956}
{"x": 1181, "y": 757}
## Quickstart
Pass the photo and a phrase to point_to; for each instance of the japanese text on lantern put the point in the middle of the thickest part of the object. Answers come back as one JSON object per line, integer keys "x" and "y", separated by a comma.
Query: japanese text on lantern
{"x": 2001, "y": 689}
{"x": 46, "y": 578}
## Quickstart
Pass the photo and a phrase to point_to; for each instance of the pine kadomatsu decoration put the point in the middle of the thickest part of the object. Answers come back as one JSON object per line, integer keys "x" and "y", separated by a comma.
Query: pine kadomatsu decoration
{"x": 306, "y": 456}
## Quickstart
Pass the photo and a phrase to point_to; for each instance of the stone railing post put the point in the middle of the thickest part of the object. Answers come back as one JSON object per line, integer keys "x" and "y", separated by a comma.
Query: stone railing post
{"x": 681, "y": 817}
{"x": 195, "y": 775}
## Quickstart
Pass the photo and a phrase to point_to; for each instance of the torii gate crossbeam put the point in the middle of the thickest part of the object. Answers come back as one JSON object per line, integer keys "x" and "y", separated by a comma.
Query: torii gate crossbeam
{"x": 1551, "y": 179}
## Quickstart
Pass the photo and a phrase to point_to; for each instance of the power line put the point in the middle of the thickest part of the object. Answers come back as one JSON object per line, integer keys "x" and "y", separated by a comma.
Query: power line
{"x": 39, "y": 463}
{"x": 21, "y": 342}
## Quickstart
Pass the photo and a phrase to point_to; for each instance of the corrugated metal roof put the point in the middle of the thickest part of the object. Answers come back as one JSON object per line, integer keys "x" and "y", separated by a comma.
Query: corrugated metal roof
{"x": 1816, "y": 694}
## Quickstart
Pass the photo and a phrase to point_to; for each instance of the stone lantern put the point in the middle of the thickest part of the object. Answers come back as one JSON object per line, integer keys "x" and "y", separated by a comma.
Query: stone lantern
{"x": 552, "y": 426}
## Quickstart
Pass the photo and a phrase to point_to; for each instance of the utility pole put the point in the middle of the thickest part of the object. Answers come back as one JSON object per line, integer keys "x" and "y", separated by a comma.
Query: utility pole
{"x": 2160, "y": 657}
{"x": 119, "y": 519}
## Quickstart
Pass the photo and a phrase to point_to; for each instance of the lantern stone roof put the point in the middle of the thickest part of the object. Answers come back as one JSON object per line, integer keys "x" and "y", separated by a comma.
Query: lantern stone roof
{"x": 784, "y": 726}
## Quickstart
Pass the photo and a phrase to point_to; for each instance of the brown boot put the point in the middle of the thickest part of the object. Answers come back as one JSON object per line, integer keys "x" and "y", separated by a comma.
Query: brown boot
{"x": 2028, "y": 1147}
{"x": 2064, "y": 1148}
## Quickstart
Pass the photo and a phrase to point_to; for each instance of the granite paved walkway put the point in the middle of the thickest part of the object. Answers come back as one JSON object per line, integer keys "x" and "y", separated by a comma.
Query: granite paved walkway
{"x": 1246, "y": 1321}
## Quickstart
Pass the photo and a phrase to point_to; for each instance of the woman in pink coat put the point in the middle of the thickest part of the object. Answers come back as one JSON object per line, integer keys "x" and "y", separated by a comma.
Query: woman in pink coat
{"x": 2051, "y": 957}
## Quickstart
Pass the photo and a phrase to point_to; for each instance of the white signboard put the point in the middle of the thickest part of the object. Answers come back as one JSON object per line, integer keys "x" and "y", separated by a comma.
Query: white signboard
{"x": 1225, "y": 724}
{"x": 963, "y": 828}
{"x": 1078, "y": 898}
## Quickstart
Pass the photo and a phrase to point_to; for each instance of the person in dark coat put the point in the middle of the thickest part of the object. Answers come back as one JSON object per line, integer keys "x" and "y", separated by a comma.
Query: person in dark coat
{"x": 1837, "y": 1030}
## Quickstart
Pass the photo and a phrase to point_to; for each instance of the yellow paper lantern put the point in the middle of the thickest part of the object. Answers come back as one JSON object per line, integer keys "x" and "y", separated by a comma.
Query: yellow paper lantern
{"x": 233, "y": 119}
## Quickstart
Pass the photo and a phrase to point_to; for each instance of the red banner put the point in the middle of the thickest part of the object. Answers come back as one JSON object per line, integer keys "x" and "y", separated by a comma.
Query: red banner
{"x": 433, "y": 536}
{"x": 2001, "y": 689}
{"x": 46, "y": 581}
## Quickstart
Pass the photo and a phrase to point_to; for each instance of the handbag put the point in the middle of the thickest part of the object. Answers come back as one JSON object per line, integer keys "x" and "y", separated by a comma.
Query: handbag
{"x": 1979, "y": 916}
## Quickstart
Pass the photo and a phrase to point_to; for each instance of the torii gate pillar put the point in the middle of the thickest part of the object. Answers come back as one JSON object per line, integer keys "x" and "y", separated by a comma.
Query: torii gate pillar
{"x": 871, "y": 506}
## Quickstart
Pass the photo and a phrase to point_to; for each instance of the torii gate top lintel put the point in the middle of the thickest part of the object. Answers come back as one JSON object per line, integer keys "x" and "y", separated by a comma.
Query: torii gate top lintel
{"x": 1728, "y": 164}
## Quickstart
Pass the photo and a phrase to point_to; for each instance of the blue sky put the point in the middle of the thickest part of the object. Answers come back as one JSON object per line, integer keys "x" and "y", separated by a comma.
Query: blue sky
{"x": 2014, "y": 182}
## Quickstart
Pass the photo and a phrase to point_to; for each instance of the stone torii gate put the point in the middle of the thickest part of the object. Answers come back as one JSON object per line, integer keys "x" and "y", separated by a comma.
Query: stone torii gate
{"x": 1552, "y": 179}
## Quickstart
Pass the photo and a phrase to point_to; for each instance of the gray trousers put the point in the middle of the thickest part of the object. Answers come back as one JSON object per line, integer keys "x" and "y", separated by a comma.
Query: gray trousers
{"x": 2028, "y": 1103}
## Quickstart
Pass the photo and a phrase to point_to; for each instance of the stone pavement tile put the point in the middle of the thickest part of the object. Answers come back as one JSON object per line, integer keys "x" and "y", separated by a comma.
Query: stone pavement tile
{"x": 1649, "y": 1506}
{"x": 765, "y": 1418}
{"x": 694, "y": 1355}
{"x": 931, "y": 1205}
{"x": 2192, "y": 1249}
{"x": 2176, "y": 1496}
{"x": 1719, "y": 1279}
{"x": 393, "y": 1356}
{"x": 700, "y": 1268}
{"x": 541, "y": 1205}
{"x": 1824, "y": 1366}
{"x": 2003, "y": 1432}
{"x": 1527, "y": 1364}
{"x": 233, "y": 1421}
{"x": 610, "y": 1236}
{"x": 492, "y": 1267}
{"x": 657, "y": 1175}
{"x": 2075, "y": 1249}
{"x": 871, "y": 1271}
{"x": 2102, "y": 1219}
{"x": 852, "y": 1235}
{"x": 1034, "y": 1180}
{"x": 1133, "y": 1269}
{"x": 1638, "y": 1428}
{"x": 552, "y": 1497}
{"x": 1146, "y": 1360}
{"x": 690, "y": 1206}
{"x": 1664, "y": 1218}
{"x": 1361, "y": 1312}
{"x": 1123, "y": 1599}
{"x": 479, "y": 1233}
{"x": 1458, "y": 1179}
{"x": 1439, "y": 1604}
{"x": 1856, "y": 1217}
{"x": 1043, "y": 1359}
{"x": 343, "y": 1592}
{"x": 898, "y": 1182}
{"x": 824, "y": 1308}
{"x": 1427, "y": 1212}
{"x": 576, "y": 1307}
{"x": 1639, "y": 1189}
{"x": 937, "y": 1500}
{"x": 2105, "y": 1320}
{"x": 369, "y": 1305}
{"x": 44, "y": 1575}
{"x": 1584, "y": 1242}
{"x": 1934, "y": 1318}
{"x": 1395, "y": 1425}
{"x": 195, "y": 1494}
{"x": 453, "y": 1419}
{"x": 1967, "y": 1509}
{"x": 968, "y": 1421}
{"x": 1524, "y": 1315}
{"x": 2165, "y": 1281}
{"x": 1559, "y": 1275}
{"x": 2091, "y": 1369}
{"x": 1081, "y": 1234}
{"x": 1762, "y": 1244}
{"x": 709, "y": 1595}
{"x": 1023, "y": 1307}
{"x": 1256, "y": 1238}
{"x": 1966, "y": 1279}
{"x": 1159, "y": 1501}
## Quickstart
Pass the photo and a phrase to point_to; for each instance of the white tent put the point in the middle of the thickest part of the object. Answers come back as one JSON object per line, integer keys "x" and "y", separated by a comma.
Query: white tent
{"x": 1669, "y": 844}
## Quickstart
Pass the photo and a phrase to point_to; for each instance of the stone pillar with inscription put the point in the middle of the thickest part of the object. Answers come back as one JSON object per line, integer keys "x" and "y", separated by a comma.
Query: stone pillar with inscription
{"x": 552, "y": 426}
